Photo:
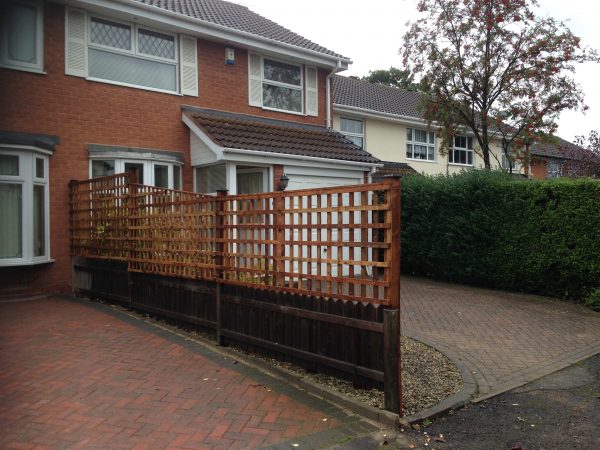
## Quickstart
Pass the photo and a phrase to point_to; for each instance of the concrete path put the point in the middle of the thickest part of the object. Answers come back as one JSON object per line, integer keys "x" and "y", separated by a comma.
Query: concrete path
{"x": 505, "y": 340}
{"x": 75, "y": 374}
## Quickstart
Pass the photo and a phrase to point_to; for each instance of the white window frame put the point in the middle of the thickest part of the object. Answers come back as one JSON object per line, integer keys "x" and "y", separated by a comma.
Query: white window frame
{"x": 554, "y": 173}
{"x": 148, "y": 166}
{"x": 263, "y": 170}
{"x": 134, "y": 53}
{"x": 463, "y": 149}
{"x": 284, "y": 85}
{"x": 27, "y": 179}
{"x": 504, "y": 162}
{"x": 195, "y": 171}
{"x": 38, "y": 66}
{"x": 427, "y": 144}
{"x": 347, "y": 133}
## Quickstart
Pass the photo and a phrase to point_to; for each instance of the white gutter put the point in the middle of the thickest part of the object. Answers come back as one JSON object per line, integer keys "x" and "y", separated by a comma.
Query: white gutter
{"x": 225, "y": 32}
{"x": 300, "y": 157}
{"x": 380, "y": 115}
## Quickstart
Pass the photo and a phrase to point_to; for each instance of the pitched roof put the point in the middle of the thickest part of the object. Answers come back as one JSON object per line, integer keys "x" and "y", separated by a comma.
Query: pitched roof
{"x": 392, "y": 168}
{"x": 555, "y": 147}
{"x": 375, "y": 97}
{"x": 246, "y": 132}
{"x": 239, "y": 18}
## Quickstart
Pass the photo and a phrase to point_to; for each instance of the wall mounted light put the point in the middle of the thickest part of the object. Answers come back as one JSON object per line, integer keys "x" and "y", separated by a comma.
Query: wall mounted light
{"x": 283, "y": 182}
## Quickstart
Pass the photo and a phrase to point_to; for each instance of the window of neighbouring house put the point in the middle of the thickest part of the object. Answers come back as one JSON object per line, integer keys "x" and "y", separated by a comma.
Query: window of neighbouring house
{"x": 554, "y": 169}
{"x": 125, "y": 53}
{"x": 420, "y": 144}
{"x": 462, "y": 152}
{"x": 510, "y": 162}
{"x": 24, "y": 212}
{"x": 352, "y": 129}
{"x": 21, "y": 36}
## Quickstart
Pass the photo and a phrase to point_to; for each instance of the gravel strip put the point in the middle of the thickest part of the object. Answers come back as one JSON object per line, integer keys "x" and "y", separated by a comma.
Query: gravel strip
{"x": 428, "y": 377}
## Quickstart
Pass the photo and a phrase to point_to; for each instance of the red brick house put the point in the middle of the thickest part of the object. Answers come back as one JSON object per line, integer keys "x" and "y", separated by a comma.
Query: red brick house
{"x": 196, "y": 94}
{"x": 554, "y": 157}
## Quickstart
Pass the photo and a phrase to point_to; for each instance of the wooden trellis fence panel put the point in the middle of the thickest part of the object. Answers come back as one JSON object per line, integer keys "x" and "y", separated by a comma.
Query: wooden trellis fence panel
{"x": 340, "y": 242}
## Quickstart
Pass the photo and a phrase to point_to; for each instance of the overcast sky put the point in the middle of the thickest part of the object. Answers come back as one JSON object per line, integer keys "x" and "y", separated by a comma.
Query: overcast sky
{"x": 370, "y": 33}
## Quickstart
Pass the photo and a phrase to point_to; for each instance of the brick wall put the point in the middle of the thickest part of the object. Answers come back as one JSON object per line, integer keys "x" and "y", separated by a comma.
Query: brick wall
{"x": 83, "y": 112}
{"x": 539, "y": 169}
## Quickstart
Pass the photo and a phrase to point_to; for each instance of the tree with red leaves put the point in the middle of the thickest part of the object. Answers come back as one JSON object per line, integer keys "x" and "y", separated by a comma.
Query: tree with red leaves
{"x": 494, "y": 68}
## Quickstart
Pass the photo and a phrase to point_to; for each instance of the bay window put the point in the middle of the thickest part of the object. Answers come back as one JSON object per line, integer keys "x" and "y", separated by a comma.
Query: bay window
{"x": 24, "y": 213}
{"x": 462, "y": 152}
{"x": 420, "y": 144}
{"x": 159, "y": 174}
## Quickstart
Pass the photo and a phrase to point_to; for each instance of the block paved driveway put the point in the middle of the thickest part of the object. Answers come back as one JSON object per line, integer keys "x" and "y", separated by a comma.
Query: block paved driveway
{"x": 504, "y": 340}
{"x": 74, "y": 374}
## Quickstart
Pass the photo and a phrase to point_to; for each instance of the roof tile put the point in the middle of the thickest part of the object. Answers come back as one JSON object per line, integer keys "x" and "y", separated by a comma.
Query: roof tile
{"x": 241, "y": 131}
{"x": 240, "y": 18}
{"x": 376, "y": 97}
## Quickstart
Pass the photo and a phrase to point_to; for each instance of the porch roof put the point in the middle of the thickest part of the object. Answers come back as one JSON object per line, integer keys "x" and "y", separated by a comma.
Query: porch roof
{"x": 240, "y": 131}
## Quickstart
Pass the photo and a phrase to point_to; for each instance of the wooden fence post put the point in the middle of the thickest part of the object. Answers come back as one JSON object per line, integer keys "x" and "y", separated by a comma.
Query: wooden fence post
{"x": 393, "y": 367}
{"x": 219, "y": 260}
{"x": 132, "y": 180}
{"x": 279, "y": 238}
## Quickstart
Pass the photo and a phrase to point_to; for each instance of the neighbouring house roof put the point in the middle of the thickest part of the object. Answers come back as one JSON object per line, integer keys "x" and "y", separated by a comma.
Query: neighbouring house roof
{"x": 355, "y": 93}
{"x": 556, "y": 147}
{"x": 239, "y": 18}
{"x": 391, "y": 168}
{"x": 240, "y": 131}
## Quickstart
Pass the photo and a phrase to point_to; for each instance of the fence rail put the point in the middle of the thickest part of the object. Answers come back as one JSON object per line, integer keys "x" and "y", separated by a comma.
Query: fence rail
{"x": 340, "y": 242}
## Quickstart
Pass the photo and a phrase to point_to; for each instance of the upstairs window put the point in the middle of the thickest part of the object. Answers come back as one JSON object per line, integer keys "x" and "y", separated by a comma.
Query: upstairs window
{"x": 420, "y": 144}
{"x": 132, "y": 55}
{"x": 352, "y": 129}
{"x": 282, "y": 85}
{"x": 127, "y": 54}
{"x": 462, "y": 152}
{"x": 22, "y": 36}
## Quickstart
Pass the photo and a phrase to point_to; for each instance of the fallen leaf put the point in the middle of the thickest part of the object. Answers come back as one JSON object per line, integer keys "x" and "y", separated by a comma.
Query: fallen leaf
{"x": 440, "y": 438}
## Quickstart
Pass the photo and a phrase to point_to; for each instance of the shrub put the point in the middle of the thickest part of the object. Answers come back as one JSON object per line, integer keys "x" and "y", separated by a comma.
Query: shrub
{"x": 593, "y": 299}
{"x": 490, "y": 229}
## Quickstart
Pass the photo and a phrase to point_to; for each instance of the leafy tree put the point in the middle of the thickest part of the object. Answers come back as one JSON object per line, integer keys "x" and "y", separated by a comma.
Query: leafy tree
{"x": 586, "y": 158}
{"x": 392, "y": 77}
{"x": 495, "y": 68}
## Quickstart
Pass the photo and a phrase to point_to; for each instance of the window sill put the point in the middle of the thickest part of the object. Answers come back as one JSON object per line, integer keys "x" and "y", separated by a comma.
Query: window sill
{"x": 23, "y": 69}
{"x": 284, "y": 111}
{"x": 461, "y": 165}
{"x": 421, "y": 160}
{"x": 135, "y": 86}
{"x": 14, "y": 263}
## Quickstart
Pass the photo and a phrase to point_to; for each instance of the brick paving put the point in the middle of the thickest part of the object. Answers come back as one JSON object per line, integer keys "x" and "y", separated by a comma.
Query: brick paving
{"x": 505, "y": 339}
{"x": 74, "y": 374}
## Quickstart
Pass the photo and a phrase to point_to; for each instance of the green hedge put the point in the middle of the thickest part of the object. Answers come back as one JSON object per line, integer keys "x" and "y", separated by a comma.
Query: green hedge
{"x": 488, "y": 229}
